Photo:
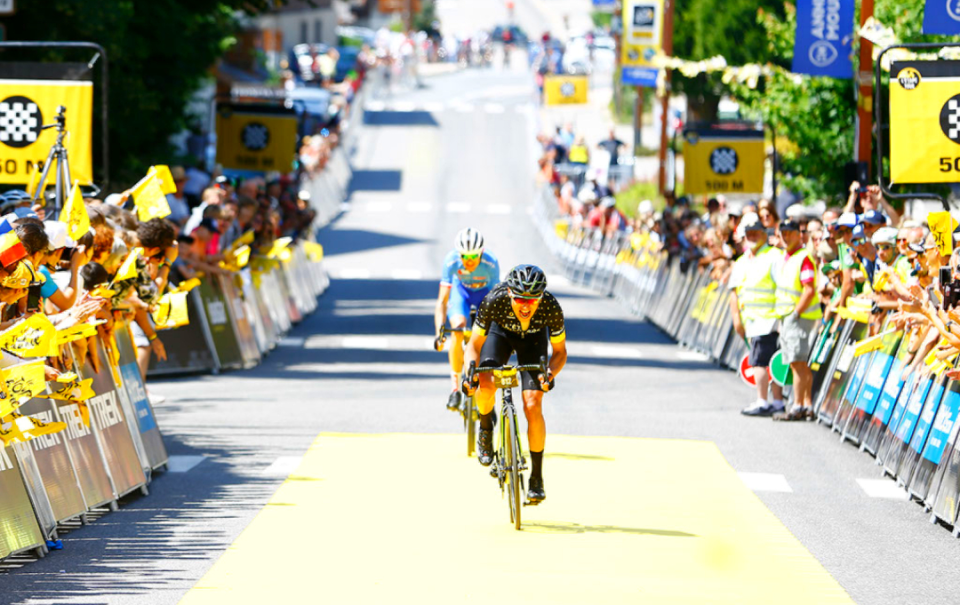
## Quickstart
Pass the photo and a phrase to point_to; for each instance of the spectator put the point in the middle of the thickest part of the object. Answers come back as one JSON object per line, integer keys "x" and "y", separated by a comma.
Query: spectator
{"x": 612, "y": 145}
{"x": 179, "y": 206}
{"x": 579, "y": 154}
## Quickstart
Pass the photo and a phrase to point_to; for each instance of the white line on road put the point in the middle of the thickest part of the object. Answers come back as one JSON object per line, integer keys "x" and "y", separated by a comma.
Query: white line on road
{"x": 615, "y": 352}
{"x": 691, "y": 356}
{"x": 379, "y": 343}
{"x": 493, "y": 108}
{"x": 182, "y": 464}
{"x": 522, "y": 109}
{"x": 463, "y": 108}
{"x": 433, "y": 107}
{"x": 765, "y": 482}
{"x": 420, "y": 207}
{"x": 374, "y": 106}
{"x": 498, "y": 209}
{"x": 406, "y": 274}
{"x": 458, "y": 207}
{"x": 353, "y": 273}
{"x": 404, "y": 106}
{"x": 883, "y": 488}
{"x": 290, "y": 341}
{"x": 282, "y": 466}
{"x": 378, "y": 207}
{"x": 345, "y": 207}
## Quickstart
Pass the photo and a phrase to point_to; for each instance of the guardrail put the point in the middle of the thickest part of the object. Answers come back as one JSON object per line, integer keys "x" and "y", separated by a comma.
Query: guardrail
{"x": 907, "y": 420}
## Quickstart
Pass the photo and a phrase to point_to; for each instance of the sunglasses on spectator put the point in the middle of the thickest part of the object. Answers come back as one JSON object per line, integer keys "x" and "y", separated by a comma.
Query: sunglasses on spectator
{"x": 883, "y": 246}
{"x": 858, "y": 242}
{"x": 470, "y": 257}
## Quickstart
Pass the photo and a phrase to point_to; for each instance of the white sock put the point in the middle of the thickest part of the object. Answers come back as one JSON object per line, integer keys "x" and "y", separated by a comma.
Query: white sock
{"x": 761, "y": 403}
{"x": 778, "y": 403}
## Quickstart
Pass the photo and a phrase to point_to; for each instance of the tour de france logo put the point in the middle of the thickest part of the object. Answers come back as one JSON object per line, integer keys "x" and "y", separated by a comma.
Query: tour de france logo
{"x": 255, "y": 136}
{"x": 908, "y": 78}
{"x": 724, "y": 160}
{"x": 950, "y": 118}
{"x": 20, "y": 121}
{"x": 567, "y": 89}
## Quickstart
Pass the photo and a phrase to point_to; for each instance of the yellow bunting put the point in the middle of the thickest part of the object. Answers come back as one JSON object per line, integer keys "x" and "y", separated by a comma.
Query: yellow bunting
{"x": 24, "y": 380}
{"x": 129, "y": 267}
{"x": 74, "y": 214}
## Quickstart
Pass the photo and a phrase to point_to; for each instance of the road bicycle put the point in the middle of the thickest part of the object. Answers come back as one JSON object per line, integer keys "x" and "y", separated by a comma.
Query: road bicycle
{"x": 467, "y": 407}
{"x": 509, "y": 462}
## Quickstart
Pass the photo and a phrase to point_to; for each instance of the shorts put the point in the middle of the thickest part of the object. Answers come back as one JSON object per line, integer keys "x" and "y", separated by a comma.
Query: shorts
{"x": 461, "y": 299}
{"x": 797, "y": 336}
{"x": 139, "y": 336}
{"x": 762, "y": 349}
{"x": 500, "y": 344}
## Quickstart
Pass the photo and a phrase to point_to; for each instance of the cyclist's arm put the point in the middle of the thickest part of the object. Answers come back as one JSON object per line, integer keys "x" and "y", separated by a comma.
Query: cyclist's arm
{"x": 559, "y": 357}
{"x": 472, "y": 352}
{"x": 440, "y": 313}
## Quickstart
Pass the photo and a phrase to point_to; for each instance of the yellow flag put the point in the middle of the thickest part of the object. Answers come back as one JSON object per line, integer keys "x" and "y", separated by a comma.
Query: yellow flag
{"x": 25, "y": 380}
{"x": 103, "y": 292}
{"x": 314, "y": 251}
{"x": 33, "y": 337}
{"x": 244, "y": 240}
{"x": 129, "y": 267}
{"x": 186, "y": 286}
{"x": 166, "y": 179}
{"x": 74, "y": 214}
{"x": 942, "y": 226}
{"x": 171, "y": 311}
{"x": 76, "y": 332}
{"x": 279, "y": 249}
{"x": 149, "y": 198}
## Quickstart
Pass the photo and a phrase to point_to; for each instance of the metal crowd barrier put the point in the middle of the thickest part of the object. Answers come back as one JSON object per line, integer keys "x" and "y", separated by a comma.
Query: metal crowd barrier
{"x": 908, "y": 423}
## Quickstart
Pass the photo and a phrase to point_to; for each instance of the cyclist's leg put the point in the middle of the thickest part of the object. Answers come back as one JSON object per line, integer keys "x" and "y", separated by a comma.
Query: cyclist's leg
{"x": 458, "y": 309}
{"x": 496, "y": 351}
{"x": 529, "y": 353}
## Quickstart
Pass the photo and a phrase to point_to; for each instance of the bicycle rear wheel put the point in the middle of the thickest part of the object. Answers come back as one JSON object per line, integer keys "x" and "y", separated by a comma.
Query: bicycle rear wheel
{"x": 511, "y": 465}
{"x": 470, "y": 424}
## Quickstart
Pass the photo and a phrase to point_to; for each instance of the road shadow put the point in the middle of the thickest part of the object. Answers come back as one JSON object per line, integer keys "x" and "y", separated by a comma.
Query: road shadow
{"x": 348, "y": 241}
{"x": 375, "y": 180}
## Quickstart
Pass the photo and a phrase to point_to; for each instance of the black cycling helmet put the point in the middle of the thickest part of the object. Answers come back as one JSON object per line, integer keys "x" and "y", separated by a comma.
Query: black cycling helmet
{"x": 526, "y": 280}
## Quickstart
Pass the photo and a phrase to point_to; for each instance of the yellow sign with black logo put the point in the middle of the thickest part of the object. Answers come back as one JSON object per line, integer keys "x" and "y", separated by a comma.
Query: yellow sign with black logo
{"x": 26, "y": 105}
{"x": 925, "y": 122}
{"x": 717, "y": 161}
{"x": 565, "y": 90}
{"x": 257, "y": 140}
{"x": 641, "y": 41}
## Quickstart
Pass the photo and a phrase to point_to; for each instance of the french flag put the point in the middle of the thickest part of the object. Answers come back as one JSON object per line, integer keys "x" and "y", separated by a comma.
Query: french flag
{"x": 11, "y": 248}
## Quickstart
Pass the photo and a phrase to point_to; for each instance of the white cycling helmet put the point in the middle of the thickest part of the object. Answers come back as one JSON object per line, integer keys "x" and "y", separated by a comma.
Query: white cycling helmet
{"x": 469, "y": 241}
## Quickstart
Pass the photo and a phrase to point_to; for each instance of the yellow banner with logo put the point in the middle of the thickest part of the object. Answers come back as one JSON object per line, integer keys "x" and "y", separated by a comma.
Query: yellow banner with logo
{"x": 565, "y": 90}
{"x": 29, "y": 97}
{"x": 641, "y": 41}
{"x": 249, "y": 139}
{"x": 925, "y": 122}
{"x": 717, "y": 161}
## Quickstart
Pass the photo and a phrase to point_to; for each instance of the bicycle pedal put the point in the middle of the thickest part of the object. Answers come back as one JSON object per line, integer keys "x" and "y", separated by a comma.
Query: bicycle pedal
{"x": 531, "y": 503}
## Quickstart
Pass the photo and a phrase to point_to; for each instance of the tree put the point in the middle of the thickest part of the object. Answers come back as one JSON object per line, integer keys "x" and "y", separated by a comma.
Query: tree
{"x": 159, "y": 51}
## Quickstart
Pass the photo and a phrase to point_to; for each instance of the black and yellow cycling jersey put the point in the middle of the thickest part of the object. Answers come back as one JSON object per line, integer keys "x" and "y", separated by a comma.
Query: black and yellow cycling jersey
{"x": 496, "y": 309}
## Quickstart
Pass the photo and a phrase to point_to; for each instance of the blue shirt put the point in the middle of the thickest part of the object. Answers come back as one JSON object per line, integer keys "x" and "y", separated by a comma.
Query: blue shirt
{"x": 484, "y": 277}
{"x": 49, "y": 287}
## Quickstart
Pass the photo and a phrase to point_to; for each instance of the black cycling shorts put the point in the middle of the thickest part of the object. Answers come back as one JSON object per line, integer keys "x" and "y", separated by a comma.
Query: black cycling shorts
{"x": 500, "y": 344}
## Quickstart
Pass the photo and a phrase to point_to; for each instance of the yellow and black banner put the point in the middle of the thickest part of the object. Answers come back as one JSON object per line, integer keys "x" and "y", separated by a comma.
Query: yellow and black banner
{"x": 925, "y": 122}
{"x": 30, "y": 94}
{"x": 257, "y": 138}
{"x": 723, "y": 161}
{"x": 565, "y": 90}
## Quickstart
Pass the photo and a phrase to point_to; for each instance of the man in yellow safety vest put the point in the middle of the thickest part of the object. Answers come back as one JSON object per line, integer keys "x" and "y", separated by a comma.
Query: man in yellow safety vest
{"x": 753, "y": 299}
{"x": 800, "y": 313}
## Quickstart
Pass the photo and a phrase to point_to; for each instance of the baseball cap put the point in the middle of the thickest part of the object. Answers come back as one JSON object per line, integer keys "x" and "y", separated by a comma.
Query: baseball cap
{"x": 873, "y": 217}
{"x": 830, "y": 267}
{"x": 858, "y": 231}
{"x": 57, "y": 234}
{"x": 885, "y": 235}
{"x": 847, "y": 219}
{"x": 751, "y": 222}
{"x": 789, "y": 225}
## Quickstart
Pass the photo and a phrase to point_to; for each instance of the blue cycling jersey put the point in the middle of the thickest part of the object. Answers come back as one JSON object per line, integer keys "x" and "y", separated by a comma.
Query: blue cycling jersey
{"x": 484, "y": 277}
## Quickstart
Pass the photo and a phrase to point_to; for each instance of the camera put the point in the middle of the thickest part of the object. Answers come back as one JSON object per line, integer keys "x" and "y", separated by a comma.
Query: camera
{"x": 33, "y": 297}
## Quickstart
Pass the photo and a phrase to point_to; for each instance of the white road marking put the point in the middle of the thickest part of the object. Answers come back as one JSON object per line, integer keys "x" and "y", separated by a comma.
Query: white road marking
{"x": 440, "y": 369}
{"x": 379, "y": 343}
{"x": 493, "y": 108}
{"x": 404, "y": 106}
{"x": 458, "y": 207}
{"x": 433, "y": 107}
{"x": 345, "y": 207}
{"x": 522, "y": 109}
{"x": 374, "y": 343}
{"x": 182, "y": 464}
{"x": 463, "y": 108}
{"x": 556, "y": 279}
{"x": 765, "y": 482}
{"x": 419, "y": 207}
{"x": 282, "y": 466}
{"x": 615, "y": 352}
{"x": 692, "y": 356}
{"x": 498, "y": 209}
{"x": 530, "y": 211}
{"x": 406, "y": 274}
{"x": 353, "y": 273}
{"x": 290, "y": 341}
{"x": 883, "y": 488}
{"x": 374, "y": 106}
{"x": 378, "y": 207}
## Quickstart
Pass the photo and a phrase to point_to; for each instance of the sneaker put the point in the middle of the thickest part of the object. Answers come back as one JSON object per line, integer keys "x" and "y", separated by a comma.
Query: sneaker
{"x": 797, "y": 413}
{"x": 453, "y": 402}
{"x": 535, "y": 493}
{"x": 485, "y": 446}
{"x": 761, "y": 410}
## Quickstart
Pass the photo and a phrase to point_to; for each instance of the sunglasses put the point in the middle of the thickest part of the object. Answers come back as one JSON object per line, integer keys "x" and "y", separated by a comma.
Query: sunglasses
{"x": 525, "y": 300}
{"x": 883, "y": 246}
{"x": 858, "y": 242}
{"x": 470, "y": 257}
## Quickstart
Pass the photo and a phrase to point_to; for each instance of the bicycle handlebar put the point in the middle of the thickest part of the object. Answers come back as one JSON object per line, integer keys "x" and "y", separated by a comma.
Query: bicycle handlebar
{"x": 541, "y": 368}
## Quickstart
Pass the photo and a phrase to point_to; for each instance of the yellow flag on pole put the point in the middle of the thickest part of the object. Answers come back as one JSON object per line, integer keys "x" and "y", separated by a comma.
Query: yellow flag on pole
{"x": 149, "y": 198}
{"x": 25, "y": 380}
{"x": 74, "y": 214}
{"x": 162, "y": 172}
{"x": 942, "y": 226}
{"x": 129, "y": 267}
{"x": 34, "y": 181}
{"x": 171, "y": 311}
{"x": 33, "y": 337}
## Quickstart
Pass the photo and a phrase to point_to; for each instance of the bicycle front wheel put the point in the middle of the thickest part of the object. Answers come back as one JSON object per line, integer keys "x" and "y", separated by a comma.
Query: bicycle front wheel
{"x": 511, "y": 465}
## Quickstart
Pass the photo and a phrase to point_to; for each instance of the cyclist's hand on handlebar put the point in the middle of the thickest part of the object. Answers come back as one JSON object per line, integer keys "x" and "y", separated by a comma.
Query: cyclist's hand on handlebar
{"x": 468, "y": 387}
{"x": 438, "y": 343}
{"x": 547, "y": 383}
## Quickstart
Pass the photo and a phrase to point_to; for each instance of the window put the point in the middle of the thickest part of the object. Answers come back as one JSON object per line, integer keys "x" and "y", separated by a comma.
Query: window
{"x": 303, "y": 32}
{"x": 318, "y": 30}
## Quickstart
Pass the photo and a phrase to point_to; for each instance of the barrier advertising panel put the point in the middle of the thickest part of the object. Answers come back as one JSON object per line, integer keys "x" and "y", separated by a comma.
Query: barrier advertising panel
{"x": 928, "y": 472}
{"x": 19, "y": 530}
{"x": 135, "y": 392}
{"x": 189, "y": 349}
{"x": 217, "y": 315}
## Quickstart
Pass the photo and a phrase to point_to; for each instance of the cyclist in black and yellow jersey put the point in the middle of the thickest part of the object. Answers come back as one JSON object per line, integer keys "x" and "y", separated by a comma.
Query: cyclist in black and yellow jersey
{"x": 520, "y": 316}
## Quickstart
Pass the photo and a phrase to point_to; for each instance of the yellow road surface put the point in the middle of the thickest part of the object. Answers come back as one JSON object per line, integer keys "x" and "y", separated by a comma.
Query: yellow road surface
{"x": 408, "y": 518}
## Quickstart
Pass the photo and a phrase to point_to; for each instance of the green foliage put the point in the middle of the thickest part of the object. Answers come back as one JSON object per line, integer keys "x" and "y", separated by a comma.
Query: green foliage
{"x": 629, "y": 198}
{"x": 423, "y": 20}
{"x": 158, "y": 50}
{"x": 602, "y": 19}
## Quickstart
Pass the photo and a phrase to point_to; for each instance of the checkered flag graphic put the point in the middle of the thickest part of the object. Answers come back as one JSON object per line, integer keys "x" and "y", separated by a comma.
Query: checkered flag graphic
{"x": 953, "y": 119}
{"x": 20, "y": 121}
{"x": 255, "y": 136}
{"x": 723, "y": 160}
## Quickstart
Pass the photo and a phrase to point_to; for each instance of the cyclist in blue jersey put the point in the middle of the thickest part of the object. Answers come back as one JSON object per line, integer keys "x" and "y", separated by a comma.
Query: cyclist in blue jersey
{"x": 469, "y": 274}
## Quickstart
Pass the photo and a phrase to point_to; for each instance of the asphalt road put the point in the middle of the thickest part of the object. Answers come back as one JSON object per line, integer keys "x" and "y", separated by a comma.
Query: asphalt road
{"x": 459, "y": 152}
